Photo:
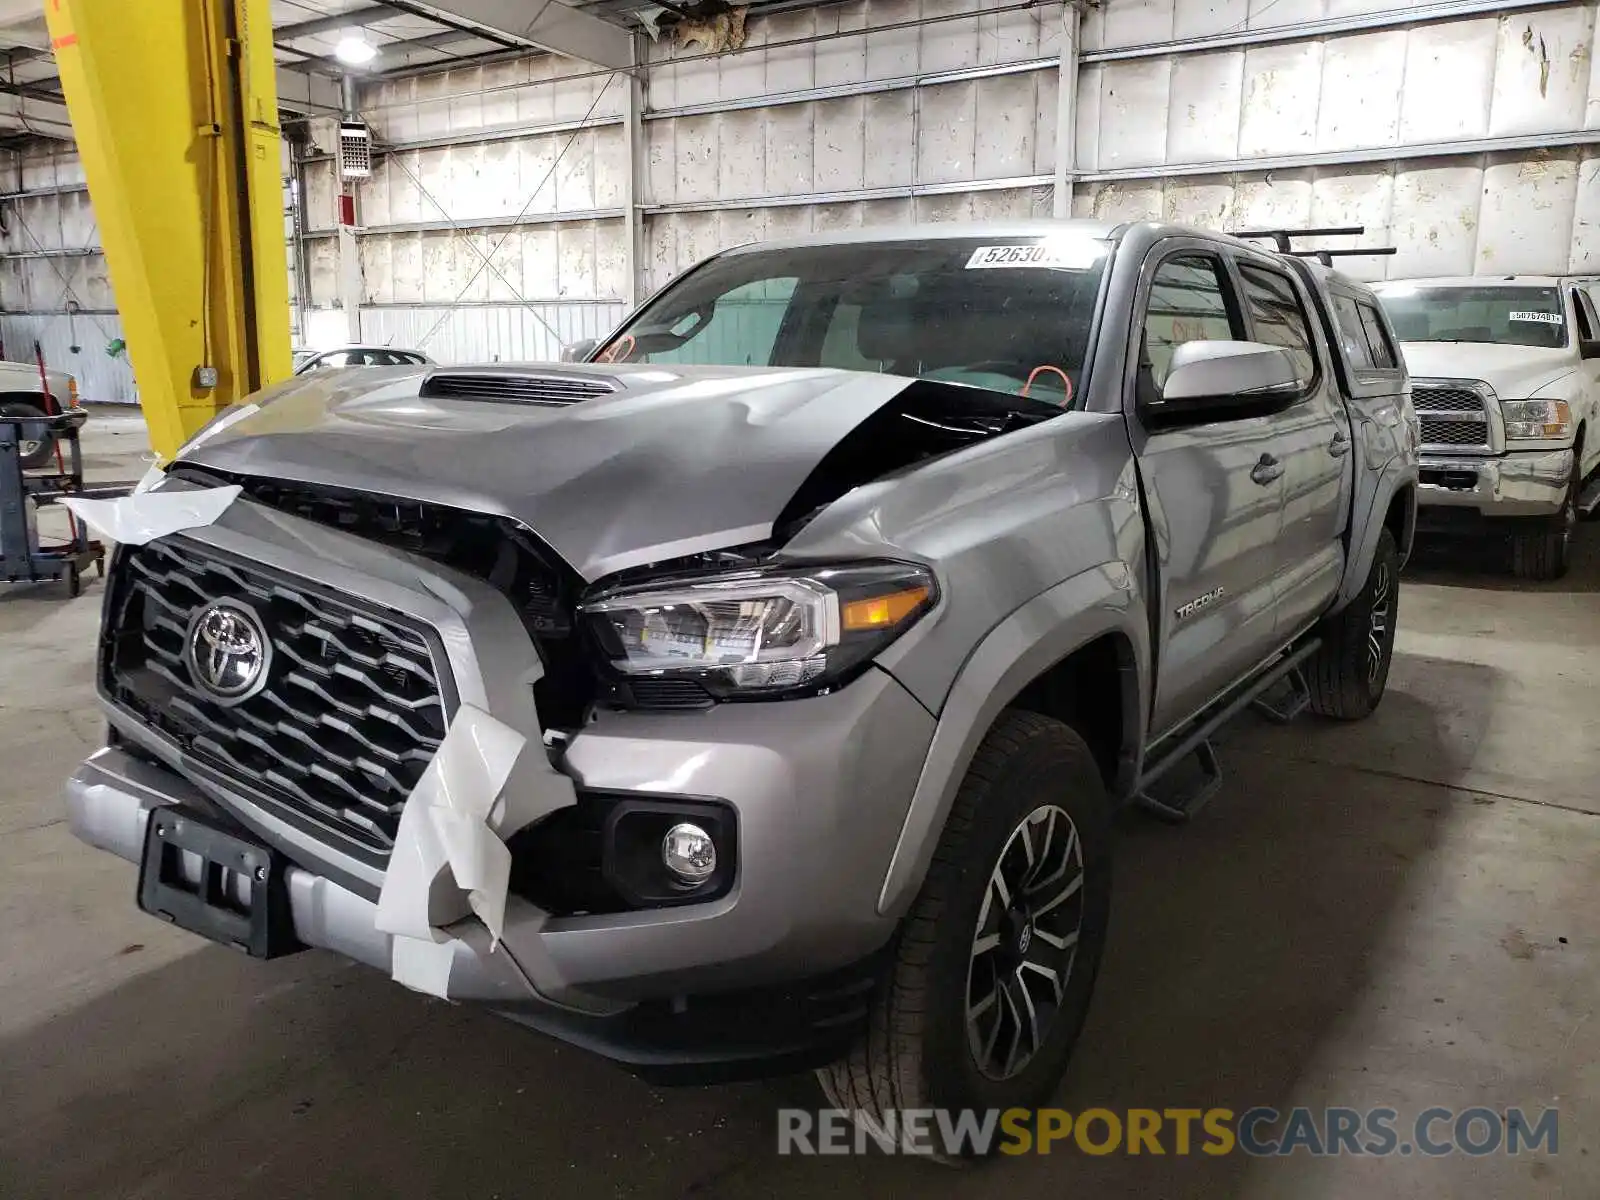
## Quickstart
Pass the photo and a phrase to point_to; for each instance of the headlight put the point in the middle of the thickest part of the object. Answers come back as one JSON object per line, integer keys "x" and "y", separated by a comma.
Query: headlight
{"x": 769, "y": 632}
{"x": 1536, "y": 420}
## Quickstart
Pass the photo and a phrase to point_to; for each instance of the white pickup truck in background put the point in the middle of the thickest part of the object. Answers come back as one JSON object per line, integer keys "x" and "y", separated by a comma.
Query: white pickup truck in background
{"x": 1505, "y": 376}
{"x": 24, "y": 394}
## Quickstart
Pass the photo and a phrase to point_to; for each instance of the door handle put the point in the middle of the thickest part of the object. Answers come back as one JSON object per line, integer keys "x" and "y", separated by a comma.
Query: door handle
{"x": 1340, "y": 446}
{"x": 1267, "y": 470}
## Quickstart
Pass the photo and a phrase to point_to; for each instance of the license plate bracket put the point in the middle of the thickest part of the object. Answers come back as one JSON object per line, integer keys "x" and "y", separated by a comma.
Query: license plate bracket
{"x": 241, "y": 895}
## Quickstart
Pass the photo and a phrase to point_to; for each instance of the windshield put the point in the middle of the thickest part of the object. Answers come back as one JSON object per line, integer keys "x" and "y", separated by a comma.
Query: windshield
{"x": 1009, "y": 314}
{"x": 1506, "y": 316}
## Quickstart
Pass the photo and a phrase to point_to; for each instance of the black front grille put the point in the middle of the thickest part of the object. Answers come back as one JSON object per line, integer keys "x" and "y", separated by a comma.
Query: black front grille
{"x": 351, "y": 711}
{"x": 548, "y": 390}
{"x": 1442, "y": 431}
{"x": 1441, "y": 399}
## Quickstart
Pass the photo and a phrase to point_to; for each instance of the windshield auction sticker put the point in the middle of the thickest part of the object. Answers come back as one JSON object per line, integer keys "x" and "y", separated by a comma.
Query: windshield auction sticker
{"x": 1073, "y": 255}
{"x": 1547, "y": 318}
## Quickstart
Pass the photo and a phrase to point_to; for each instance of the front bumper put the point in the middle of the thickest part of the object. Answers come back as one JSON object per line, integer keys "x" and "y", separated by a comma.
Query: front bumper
{"x": 738, "y": 990}
{"x": 773, "y": 971}
{"x": 1520, "y": 484}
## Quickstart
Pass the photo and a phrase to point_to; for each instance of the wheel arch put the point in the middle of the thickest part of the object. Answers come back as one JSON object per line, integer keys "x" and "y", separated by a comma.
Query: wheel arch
{"x": 1393, "y": 507}
{"x": 1088, "y": 631}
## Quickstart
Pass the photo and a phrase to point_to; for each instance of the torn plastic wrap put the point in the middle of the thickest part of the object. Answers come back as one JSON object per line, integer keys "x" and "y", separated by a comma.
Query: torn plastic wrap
{"x": 137, "y": 519}
{"x": 454, "y": 824}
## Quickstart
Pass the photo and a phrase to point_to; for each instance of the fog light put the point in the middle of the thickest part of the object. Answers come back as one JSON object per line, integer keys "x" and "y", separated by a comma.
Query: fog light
{"x": 689, "y": 853}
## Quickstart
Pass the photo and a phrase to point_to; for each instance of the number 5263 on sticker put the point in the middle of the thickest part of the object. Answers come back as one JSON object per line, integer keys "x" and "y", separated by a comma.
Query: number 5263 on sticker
{"x": 1073, "y": 255}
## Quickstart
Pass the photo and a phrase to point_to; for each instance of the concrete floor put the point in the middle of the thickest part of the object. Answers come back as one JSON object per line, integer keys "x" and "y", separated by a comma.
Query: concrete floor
{"x": 1400, "y": 913}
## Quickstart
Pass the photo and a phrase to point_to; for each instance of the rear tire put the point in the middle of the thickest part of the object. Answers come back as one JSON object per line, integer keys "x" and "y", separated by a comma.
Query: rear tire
{"x": 991, "y": 981}
{"x": 1348, "y": 674}
{"x": 1544, "y": 552}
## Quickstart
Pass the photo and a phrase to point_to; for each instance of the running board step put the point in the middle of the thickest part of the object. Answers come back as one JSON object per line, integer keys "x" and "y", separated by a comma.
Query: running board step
{"x": 1286, "y": 701}
{"x": 1589, "y": 498}
{"x": 1184, "y": 800}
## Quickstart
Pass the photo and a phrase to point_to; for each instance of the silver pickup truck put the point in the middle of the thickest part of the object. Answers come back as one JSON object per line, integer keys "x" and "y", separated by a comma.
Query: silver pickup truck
{"x": 758, "y": 693}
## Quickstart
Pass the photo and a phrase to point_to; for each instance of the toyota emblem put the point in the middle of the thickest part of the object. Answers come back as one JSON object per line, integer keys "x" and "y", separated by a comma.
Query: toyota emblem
{"x": 228, "y": 650}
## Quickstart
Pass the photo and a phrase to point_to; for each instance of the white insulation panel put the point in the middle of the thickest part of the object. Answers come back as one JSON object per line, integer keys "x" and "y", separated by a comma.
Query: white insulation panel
{"x": 1524, "y": 73}
{"x": 1492, "y": 214}
{"x": 1178, "y": 131}
{"x": 490, "y": 333}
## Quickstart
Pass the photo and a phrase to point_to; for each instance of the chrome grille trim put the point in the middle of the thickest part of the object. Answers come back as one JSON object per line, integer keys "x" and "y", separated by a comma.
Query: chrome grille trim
{"x": 1456, "y": 415}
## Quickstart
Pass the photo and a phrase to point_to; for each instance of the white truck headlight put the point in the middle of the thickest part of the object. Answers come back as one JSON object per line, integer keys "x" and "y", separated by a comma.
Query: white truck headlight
{"x": 1536, "y": 420}
{"x": 761, "y": 633}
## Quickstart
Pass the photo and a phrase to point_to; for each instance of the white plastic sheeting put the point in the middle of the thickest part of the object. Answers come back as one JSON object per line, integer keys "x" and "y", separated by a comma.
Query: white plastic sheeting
{"x": 145, "y": 516}
{"x": 452, "y": 837}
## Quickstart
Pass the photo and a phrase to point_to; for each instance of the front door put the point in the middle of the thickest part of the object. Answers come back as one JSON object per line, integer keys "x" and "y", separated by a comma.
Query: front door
{"x": 1214, "y": 493}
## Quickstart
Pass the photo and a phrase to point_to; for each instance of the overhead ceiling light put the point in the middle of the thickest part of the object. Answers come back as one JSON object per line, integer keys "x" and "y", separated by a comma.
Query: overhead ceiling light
{"x": 355, "y": 51}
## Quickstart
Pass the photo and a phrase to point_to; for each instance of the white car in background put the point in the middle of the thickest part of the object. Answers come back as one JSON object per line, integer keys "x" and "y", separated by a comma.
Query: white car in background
{"x": 23, "y": 393}
{"x": 1505, "y": 376}
{"x": 357, "y": 356}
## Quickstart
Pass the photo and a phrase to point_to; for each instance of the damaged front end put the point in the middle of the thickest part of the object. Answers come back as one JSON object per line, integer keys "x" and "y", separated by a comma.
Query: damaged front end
{"x": 470, "y": 740}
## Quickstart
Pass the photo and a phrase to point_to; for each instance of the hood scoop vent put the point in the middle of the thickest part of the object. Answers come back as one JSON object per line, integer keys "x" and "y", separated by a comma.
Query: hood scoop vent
{"x": 546, "y": 391}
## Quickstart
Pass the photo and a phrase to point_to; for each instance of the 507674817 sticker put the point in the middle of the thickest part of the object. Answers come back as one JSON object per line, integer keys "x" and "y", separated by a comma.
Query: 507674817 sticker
{"x": 1546, "y": 318}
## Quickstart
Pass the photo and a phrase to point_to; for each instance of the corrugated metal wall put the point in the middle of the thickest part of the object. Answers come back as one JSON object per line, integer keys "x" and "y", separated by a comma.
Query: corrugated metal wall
{"x": 863, "y": 127}
{"x": 1466, "y": 133}
{"x": 490, "y": 333}
{"x": 102, "y": 377}
{"x": 1163, "y": 136}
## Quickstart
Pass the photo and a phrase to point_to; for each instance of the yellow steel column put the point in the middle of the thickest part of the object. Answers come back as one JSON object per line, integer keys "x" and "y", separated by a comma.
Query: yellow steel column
{"x": 174, "y": 107}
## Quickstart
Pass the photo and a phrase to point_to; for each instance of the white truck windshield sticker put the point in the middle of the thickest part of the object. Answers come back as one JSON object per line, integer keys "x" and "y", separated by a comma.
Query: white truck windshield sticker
{"x": 1547, "y": 318}
{"x": 1070, "y": 255}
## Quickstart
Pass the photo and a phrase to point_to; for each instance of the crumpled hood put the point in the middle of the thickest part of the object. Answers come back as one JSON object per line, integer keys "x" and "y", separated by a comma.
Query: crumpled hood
{"x": 679, "y": 460}
{"x": 1515, "y": 372}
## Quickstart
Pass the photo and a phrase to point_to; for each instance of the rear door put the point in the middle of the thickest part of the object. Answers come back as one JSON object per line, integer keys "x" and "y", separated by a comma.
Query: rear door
{"x": 1214, "y": 513}
{"x": 1312, "y": 440}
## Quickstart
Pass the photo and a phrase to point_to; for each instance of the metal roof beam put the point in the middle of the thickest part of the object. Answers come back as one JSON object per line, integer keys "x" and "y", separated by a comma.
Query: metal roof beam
{"x": 555, "y": 27}
{"x": 356, "y": 16}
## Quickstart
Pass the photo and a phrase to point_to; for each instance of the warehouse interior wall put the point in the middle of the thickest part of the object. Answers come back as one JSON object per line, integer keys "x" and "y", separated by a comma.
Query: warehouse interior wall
{"x": 497, "y": 222}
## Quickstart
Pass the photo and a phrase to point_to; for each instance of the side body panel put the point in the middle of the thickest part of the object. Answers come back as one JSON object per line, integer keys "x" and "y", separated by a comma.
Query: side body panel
{"x": 1586, "y": 396}
{"x": 1214, "y": 520}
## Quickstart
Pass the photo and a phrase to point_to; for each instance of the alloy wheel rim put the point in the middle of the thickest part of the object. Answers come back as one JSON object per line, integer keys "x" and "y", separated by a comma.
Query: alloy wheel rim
{"x": 1378, "y": 622}
{"x": 1026, "y": 942}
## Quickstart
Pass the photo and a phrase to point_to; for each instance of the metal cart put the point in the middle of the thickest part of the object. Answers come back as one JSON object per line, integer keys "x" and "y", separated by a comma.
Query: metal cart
{"x": 22, "y": 558}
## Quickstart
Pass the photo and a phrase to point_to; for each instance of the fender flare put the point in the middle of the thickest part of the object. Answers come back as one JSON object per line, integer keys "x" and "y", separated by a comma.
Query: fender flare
{"x": 1371, "y": 523}
{"x": 1041, "y": 633}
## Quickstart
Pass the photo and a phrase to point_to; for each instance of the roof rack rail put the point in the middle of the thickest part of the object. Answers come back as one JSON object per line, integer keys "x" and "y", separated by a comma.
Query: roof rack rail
{"x": 1326, "y": 257}
{"x": 1281, "y": 242}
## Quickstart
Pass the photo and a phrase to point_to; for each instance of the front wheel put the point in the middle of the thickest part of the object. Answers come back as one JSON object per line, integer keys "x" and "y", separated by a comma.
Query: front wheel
{"x": 997, "y": 959}
{"x": 1348, "y": 673}
{"x": 1544, "y": 550}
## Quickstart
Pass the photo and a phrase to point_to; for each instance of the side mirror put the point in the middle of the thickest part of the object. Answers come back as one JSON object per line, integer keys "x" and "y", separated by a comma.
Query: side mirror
{"x": 1220, "y": 381}
{"x": 577, "y": 352}
{"x": 1588, "y": 348}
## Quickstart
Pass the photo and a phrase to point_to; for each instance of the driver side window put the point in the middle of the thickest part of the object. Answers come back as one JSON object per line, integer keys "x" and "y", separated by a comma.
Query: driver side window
{"x": 1191, "y": 300}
